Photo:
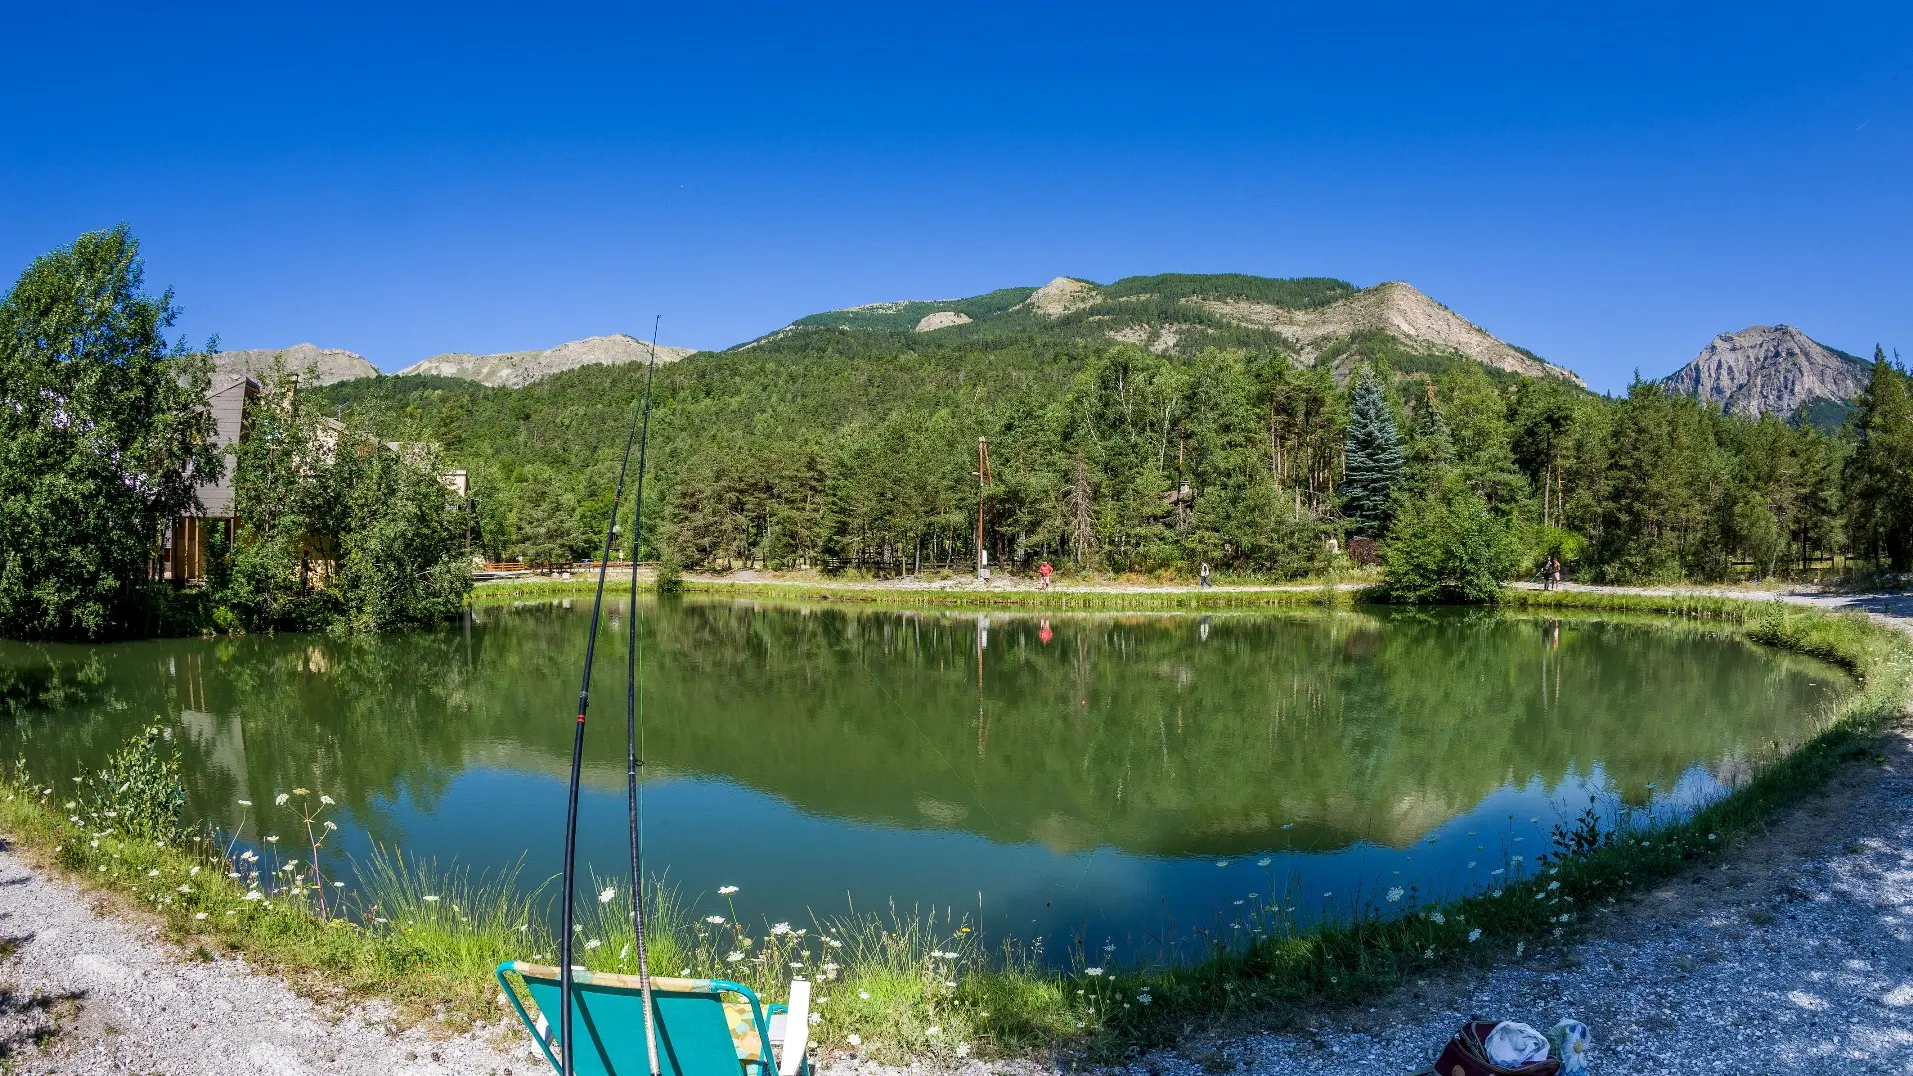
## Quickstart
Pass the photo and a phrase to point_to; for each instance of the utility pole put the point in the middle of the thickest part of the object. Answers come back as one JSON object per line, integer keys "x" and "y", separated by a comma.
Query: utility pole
{"x": 982, "y": 491}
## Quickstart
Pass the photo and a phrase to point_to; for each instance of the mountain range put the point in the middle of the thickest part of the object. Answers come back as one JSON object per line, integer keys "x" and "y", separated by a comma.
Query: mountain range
{"x": 516, "y": 369}
{"x": 1316, "y": 319}
{"x": 319, "y": 365}
{"x": 1761, "y": 369}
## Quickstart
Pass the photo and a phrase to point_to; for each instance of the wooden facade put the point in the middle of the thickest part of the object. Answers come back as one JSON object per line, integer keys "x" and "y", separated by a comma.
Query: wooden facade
{"x": 183, "y": 540}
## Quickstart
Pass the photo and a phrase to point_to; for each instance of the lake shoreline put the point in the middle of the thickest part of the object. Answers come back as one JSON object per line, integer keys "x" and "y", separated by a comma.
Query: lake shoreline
{"x": 1328, "y": 967}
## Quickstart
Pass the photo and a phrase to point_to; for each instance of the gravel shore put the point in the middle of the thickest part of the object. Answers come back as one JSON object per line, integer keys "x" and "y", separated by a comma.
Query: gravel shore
{"x": 83, "y": 992}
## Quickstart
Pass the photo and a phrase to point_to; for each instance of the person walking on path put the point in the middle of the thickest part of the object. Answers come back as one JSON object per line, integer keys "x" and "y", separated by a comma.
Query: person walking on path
{"x": 1205, "y": 575}
{"x": 1043, "y": 570}
{"x": 1551, "y": 572}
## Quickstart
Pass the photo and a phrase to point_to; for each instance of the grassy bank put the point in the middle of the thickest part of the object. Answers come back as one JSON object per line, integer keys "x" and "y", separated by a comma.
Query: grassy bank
{"x": 1117, "y": 596}
{"x": 905, "y": 984}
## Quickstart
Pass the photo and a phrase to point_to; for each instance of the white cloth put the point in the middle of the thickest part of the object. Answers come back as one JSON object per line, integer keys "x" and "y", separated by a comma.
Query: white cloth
{"x": 1512, "y": 1043}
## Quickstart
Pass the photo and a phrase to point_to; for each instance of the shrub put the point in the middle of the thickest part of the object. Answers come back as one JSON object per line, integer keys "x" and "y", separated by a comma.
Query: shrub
{"x": 1448, "y": 546}
{"x": 670, "y": 575}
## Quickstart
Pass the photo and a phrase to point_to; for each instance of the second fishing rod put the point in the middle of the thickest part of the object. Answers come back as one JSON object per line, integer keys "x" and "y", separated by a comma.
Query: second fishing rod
{"x": 638, "y": 434}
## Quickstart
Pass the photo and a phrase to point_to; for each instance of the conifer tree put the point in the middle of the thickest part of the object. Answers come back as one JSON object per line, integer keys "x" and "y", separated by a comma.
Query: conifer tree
{"x": 1374, "y": 460}
{"x": 1879, "y": 490}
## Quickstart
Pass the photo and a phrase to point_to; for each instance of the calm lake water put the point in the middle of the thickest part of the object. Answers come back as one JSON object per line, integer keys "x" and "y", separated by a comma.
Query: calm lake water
{"x": 1118, "y": 776}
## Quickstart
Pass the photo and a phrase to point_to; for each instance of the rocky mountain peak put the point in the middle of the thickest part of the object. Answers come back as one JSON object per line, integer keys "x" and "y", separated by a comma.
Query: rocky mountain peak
{"x": 516, "y": 369}
{"x": 1062, "y": 295}
{"x": 314, "y": 365}
{"x": 1768, "y": 368}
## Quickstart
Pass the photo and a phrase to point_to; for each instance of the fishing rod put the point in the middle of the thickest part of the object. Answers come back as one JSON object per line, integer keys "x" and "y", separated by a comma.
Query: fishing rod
{"x": 570, "y": 882}
{"x": 632, "y": 761}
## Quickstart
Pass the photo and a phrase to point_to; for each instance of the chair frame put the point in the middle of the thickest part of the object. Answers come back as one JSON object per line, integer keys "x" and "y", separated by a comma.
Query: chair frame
{"x": 791, "y": 1062}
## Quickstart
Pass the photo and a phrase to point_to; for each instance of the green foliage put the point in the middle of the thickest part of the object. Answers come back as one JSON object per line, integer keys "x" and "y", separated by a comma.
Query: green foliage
{"x": 102, "y": 436}
{"x": 1448, "y": 546}
{"x": 139, "y": 793}
{"x": 670, "y": 574}
{"x": 1879, "y": 475}
{"x": 1297, "y": 293}
{"x": 903, "y": 316}
{"x": 335, "y": 529}
{"x": 1373, "y": 460}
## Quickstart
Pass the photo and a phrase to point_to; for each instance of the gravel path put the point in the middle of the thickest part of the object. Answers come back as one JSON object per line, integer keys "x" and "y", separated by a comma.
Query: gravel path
{"x": 81, "y": 992}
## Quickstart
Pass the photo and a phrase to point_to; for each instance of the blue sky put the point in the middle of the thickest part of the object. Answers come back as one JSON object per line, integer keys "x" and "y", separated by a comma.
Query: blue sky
{"x": 1608, "y": 191}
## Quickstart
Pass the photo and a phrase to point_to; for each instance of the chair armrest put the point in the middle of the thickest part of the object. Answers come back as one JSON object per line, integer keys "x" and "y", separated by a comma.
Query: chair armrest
{"x": 790, "y": 1056}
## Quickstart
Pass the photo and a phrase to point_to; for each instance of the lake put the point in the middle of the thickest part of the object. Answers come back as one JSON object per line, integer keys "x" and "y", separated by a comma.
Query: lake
{"x": 1120, "y": 777}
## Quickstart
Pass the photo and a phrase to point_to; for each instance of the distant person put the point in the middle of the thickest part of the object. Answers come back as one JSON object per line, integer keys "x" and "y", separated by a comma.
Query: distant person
{"x": 1204, "y": 570}
{"x": 1550, "y": 572}
{"x": 1043, "y": 571}
{"x": 1554, "y": 575}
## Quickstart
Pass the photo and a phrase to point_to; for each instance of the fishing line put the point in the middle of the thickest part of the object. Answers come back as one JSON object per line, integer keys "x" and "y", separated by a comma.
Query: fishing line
{"x": 632, "y": 727}
{"x": 569, "y": 884}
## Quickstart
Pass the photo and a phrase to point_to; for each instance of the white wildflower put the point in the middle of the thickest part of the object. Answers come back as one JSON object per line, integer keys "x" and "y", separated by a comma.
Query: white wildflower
{"x": 431, "y": 900}
{"x": 199, "y": 915}
{"x": 254, "y": 894}
{"x": 855, "y": 1039}
{"x": 280, "y": 800}
{"x": 1394, "y": 894}
{"x": 733, "y": 956}
{"x": 1437, "y": 918}
{"x": 714, "y": 920}
{"x": 327, "y": 800}
{"x": 864, "y": 994}
{"x": 1263, "y": 862}
{"x": 1474, "y": 935}
{"x": 607, "y": 894}
{"x": 726, "y": 890}
{"x": 593, "y": 943}
{"x": 1093, "y": 972}
{"x": 780, "y": 928}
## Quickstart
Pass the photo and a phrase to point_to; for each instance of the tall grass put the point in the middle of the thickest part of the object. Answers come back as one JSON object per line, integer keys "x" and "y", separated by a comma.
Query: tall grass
{"x": 899, "y": 984}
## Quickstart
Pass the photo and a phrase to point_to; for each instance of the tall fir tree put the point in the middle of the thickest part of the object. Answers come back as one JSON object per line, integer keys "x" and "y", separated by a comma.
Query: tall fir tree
{"x": 1879, "y": 476}
{"x": 1374, "y": 460}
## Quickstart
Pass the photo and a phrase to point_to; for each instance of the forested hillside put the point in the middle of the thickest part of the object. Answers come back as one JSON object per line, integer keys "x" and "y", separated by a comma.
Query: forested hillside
{"x": 834, "y": 447}
{"x": 1313, "y": 319}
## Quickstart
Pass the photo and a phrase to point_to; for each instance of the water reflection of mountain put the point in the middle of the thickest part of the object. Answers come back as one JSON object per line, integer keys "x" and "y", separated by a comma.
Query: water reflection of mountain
{"x": 1134, "y": 732}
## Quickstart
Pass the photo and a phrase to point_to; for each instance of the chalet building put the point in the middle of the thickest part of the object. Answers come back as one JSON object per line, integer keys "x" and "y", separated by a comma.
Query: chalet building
{"x": 183, "y": 540}
{"x": 182, "y": 553}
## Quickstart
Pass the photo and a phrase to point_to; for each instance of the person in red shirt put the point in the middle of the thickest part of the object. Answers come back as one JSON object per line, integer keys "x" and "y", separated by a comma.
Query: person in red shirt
{"x": 1044, "y": 571}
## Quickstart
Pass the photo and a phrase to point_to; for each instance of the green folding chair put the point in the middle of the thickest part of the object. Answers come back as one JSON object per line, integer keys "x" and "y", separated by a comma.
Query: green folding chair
{"x": 705, "y": 1027}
